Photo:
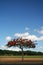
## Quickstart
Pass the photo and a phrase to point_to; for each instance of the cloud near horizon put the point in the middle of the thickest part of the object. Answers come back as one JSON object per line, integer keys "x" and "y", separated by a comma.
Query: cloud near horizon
{"x": 39, "y": 31}
{"x": 11, "y": 48}
{"x": 26, "y": 35}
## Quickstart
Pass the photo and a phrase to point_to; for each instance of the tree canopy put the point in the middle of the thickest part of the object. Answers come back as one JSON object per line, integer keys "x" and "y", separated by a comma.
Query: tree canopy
{"x": 21, "y": 43}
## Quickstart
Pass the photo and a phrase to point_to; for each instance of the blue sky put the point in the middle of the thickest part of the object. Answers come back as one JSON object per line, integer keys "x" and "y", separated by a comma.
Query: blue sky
{"x": 21, "y": 16}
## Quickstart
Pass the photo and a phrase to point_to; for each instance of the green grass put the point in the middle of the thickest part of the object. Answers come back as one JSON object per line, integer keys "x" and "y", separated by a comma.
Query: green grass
{"x": 33, "y": 56}
{"x": 21, "y": 56}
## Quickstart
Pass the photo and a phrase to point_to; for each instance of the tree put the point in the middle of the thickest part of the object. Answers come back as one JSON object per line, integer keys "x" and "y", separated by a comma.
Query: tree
{"x": 21, "y": 43}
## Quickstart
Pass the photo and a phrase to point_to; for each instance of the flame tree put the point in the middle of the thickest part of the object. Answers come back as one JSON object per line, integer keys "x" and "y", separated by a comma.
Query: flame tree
{"x": 21, "y": 43}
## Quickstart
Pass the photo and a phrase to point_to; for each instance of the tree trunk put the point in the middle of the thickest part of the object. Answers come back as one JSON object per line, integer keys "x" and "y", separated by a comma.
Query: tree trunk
{"x": 22, "y": 53}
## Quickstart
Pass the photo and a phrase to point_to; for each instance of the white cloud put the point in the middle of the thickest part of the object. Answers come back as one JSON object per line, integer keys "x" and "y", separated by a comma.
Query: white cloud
{"x": 8, "y": 38}
{"x": 26, "y": 35}
{"x": 21, "y": 34}
{"x": 11, "y": 48}
{"x": 26, "y": 28}
{"x": 14, "y": 49}
{"x": 32, "y": 37}
{"x": 40, "y": 38}
{"x": 4, "y": 47}
{"x": 41, "y": 47}
{"x": 40, "y": 31}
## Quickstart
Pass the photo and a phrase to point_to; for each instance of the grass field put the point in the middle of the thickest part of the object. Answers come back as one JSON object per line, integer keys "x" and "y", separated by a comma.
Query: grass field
{"x": 21, "y": 56}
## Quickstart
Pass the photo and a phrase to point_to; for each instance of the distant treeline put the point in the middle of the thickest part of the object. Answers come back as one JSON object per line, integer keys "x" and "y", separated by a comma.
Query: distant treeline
{"x": 7, "y": 52}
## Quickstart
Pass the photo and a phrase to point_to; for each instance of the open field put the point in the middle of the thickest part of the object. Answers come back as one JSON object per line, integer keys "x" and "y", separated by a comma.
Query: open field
{"x": 18, "y": 59}
{"x": 21, "y": 56}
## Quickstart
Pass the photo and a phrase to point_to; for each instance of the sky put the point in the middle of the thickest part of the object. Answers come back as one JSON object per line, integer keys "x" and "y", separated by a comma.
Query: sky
{"x": 21, "y": 18}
